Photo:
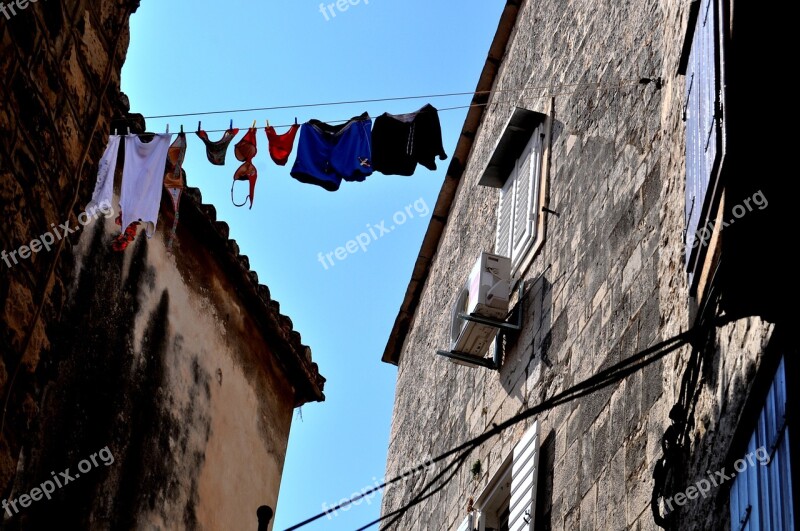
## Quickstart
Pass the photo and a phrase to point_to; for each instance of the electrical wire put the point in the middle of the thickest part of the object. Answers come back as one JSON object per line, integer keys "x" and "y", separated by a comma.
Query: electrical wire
{"x": 561, "y": 399}
{"x": 398, "y": 98}
{"x": 604, "y": 378}
{"x": 422, "y": 496}
{"x": 444, "y": 109}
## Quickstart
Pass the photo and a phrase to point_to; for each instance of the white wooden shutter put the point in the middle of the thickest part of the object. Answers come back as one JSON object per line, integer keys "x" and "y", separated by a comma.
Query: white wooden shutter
{"x": 522, "y": 204}
{"x": 526, "y": 197}
{"x": 505, "y": 217}
{"x": 536, "y": 179}
{"x": 468, "y": 524}
{"x": 524, "y": 476}
{"x": 519, "y": 203}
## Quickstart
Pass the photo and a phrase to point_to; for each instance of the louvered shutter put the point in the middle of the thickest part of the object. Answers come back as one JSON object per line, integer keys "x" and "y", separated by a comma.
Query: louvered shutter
{"x": 761, "y": 495}
{"x": 524, "y": 475}
{"x": 505, "y": 217}
{"x": 702, "y": 102}
{"x": 536, "y": 180}
{"x": 745, "y": 489}
{"x": 523, "y": 215}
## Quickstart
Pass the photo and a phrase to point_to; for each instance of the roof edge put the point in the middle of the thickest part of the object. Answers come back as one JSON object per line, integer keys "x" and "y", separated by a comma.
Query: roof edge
{"x": 284, "y": 342}
{"x": 452, "y": 180}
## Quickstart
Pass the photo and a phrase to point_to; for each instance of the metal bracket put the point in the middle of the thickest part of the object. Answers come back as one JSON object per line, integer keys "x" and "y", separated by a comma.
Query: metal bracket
{"x": 471, "y": 359}
{"x": 503, "y": 327}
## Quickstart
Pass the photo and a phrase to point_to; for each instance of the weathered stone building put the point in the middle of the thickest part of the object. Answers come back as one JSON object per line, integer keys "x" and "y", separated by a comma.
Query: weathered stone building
{"x": 621, "y": 136}
{"x": 163, "y": 383}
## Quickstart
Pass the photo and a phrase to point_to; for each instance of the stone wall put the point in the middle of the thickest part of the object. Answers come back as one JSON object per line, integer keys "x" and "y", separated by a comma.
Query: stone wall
{"x": 178, "y": 364}
{"x": 609, "y": 282}
{"x": 60, "y": 64}
{"x": 155, "y": 361}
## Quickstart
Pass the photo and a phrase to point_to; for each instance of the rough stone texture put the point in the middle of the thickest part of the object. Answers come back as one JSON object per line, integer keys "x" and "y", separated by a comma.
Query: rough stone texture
{"x": 181, "y": 364}
{"x": 54, "y": 58}
{"x": 157, "y": 362}
{"x": 616, "y": 284}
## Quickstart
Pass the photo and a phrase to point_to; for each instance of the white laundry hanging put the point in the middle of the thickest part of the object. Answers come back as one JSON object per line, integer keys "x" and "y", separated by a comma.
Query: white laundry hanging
{"x": 104, "y": 187}
{"x": 142, "y": 179}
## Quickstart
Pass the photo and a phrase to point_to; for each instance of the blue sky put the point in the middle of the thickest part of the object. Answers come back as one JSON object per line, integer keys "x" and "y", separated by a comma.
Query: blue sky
{"x": 190, "y": 56}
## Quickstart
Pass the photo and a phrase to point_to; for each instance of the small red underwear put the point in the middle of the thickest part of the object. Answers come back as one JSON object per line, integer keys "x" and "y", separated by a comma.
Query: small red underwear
{"x": 280, "y": 146}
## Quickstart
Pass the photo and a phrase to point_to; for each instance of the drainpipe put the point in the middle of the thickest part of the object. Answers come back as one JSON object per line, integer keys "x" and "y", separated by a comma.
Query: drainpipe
{"x": 264, "y": 514}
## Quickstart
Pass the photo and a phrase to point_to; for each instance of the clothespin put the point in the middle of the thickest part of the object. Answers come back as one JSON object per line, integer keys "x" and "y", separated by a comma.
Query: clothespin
{"x": 129, "y": 131}
{"x": 181, "y": 128}
{"x": 167, "y": 128}
{"x": 199, "y": 126}
{"x": 268, "y": 123}
{"x": 231, "y": 127}
{"x": 295, "y": 120}
{"x": 254, "y": 124}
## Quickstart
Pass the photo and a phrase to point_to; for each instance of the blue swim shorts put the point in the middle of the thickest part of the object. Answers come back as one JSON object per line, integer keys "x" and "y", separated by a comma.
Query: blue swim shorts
{"x": 328, "y": 154}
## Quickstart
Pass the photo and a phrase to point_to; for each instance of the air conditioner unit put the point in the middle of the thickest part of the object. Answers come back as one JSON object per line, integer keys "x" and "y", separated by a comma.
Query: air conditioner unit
{"x": 486, "y": 294}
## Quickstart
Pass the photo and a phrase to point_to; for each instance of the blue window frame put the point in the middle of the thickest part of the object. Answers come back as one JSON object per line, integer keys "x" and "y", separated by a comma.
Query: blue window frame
{"x": 761, "y": 495}
{"x": 703, "y": 119}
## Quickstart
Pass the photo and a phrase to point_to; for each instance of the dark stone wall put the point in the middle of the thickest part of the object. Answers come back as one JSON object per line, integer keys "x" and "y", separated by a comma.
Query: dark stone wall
{"x": 102, "y": 392}
{"x": 175, "y": 362}
{"x": 60, "y": 65}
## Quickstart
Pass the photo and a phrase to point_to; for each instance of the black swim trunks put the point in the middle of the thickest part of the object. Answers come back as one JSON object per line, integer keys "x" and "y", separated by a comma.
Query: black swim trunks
{"x": 400, "y": 141}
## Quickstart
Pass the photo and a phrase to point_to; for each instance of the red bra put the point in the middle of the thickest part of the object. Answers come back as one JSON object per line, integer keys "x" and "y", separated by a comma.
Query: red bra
{"x": 245, "y": 150}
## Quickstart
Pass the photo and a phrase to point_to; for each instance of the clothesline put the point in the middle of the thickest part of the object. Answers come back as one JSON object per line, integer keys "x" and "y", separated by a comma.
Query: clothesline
{"x": 398, "y": 98}
{"x": 628, "y": 84}
{"x": 329, "y": 121}
{"x": 327, "y": 155}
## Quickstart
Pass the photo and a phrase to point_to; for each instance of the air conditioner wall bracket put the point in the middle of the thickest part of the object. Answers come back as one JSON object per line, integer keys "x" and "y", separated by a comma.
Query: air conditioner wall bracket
{"x": 503, "y": 328}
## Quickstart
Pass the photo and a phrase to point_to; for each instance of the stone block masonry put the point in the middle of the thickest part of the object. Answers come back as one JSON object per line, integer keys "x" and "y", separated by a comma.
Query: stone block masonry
{"x": 53, "y": 59}
{"x": 609, "y": 281}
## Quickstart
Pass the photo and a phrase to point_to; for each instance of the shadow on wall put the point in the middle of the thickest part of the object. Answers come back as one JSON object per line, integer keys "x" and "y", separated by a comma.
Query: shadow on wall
{"x": 99, "y": 391}
{"x": 689, "y": 454}
{"x": 526, "y": 351}
{"x": 544, "y": 492}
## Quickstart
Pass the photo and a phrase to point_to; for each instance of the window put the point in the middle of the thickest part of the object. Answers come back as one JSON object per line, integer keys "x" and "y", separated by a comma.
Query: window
{"x": 495, "y": 510}
{"x": 509, "y": 501}
{"x": 761, "y": 494}
{"x": 702, "y": 114}
{"x": 518, "y": 210}
{"x": 468, "y": 524}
